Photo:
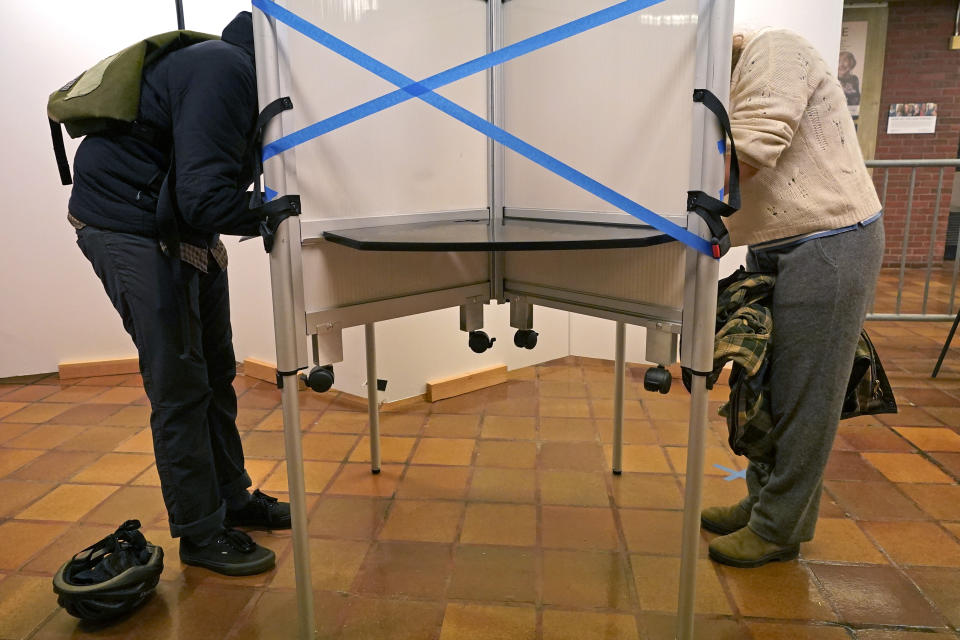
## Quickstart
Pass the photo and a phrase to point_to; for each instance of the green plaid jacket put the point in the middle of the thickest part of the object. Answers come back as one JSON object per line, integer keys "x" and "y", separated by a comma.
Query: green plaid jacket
{"x": 744, "y": 331}
{"x": 744, "y": 337}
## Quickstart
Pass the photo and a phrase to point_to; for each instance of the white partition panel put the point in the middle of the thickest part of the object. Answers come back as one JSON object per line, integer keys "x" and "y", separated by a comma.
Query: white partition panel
{"x": 411, "y": 157}
{"x": 407, "y": 160}
{"x": 650, "y": 275}
{"x": 616, "y": 104}
{"x": 346, "y": 276}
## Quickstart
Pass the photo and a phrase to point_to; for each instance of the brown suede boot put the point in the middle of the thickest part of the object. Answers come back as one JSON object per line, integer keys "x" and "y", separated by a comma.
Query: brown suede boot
{"x": 724, "y": 520}
{"x": 747, "y": 550}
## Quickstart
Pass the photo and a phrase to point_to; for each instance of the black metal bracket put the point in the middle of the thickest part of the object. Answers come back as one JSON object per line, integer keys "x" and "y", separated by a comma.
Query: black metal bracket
{"x": 282, "y": 374}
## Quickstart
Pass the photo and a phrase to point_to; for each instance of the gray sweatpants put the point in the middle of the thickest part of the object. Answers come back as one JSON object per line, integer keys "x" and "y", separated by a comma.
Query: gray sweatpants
{"x": 823, "y": 292}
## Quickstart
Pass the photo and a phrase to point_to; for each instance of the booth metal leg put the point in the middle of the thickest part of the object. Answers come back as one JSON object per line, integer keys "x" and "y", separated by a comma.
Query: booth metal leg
{"x": 618, "y": 376}
{"x": 703, "y": 333}
{"x": 298, "y": 505}
{"x": 373, "y": 408}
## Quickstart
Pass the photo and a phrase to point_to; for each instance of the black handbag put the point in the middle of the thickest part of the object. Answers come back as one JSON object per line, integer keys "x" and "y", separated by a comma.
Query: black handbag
{"x": 868, "y": 391}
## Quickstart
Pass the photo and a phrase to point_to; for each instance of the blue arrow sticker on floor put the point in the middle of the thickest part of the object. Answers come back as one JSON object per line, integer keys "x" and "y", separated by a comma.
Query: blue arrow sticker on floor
{"x": 733, "y": 474}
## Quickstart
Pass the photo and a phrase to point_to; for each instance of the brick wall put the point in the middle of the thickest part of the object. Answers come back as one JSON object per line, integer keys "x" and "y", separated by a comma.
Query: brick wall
{"x": 919, "y": 67}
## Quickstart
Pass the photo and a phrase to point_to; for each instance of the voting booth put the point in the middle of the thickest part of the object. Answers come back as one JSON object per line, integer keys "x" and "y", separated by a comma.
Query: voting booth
{"x": 453, "y": 153}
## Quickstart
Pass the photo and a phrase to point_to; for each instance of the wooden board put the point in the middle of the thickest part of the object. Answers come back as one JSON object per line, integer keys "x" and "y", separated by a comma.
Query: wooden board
{"x": 266, "y": 371}
{"x": 124, "y": 366}
{"x": 458, "y": 385}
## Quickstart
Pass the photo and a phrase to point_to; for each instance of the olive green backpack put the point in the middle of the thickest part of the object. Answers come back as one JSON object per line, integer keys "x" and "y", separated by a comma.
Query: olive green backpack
{"x": 106, "y": 97}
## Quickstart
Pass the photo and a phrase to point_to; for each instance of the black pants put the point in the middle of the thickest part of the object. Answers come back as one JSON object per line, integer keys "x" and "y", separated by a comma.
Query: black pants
{"x": 194, "y": 406}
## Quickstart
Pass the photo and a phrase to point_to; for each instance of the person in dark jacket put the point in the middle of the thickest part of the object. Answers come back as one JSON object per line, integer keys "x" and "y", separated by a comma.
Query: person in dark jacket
{"x": 204, "y": 99}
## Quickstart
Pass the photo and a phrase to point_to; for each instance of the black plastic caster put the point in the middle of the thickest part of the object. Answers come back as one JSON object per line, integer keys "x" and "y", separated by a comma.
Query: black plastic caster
{"x": 657, "y": 379}
{"x": 319, "y": 379}
{"x": 525, "y": 338}
{"x": 479, "y": 341}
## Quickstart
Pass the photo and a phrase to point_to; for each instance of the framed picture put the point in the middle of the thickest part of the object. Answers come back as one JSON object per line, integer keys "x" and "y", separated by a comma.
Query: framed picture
{"x": 912, "y": 117}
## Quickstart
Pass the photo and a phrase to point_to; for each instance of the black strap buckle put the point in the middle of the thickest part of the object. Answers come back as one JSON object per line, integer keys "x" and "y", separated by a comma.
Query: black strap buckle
{"x": 707, "y": 208}
{"x": 275, "y": 212}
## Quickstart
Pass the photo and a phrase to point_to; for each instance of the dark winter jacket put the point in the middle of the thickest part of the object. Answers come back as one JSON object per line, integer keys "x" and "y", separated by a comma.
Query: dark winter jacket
{"x": 205, "y": 98}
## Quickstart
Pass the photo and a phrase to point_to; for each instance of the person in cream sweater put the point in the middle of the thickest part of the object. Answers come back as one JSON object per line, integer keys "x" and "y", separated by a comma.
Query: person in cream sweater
{"x": 810, "y": 215}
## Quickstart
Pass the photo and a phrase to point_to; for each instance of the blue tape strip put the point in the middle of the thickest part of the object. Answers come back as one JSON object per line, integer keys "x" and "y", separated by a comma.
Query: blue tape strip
{"x": 722, "y": 146}
{"x": 449, "y": 76}
{"x": 419, "y": 90}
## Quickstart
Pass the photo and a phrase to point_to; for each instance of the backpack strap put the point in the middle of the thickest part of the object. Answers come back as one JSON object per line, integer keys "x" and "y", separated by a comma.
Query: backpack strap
{"x": 169, "y": 232}
{"x": 149, "y": 134}
{"x": 706, "y": 206}
{"x": 60, "y": 152}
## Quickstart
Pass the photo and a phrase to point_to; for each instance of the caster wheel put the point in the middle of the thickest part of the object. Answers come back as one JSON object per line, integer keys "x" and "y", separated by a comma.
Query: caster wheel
{"x": 657, "y": 379}
{"x": 319, "y": 379}
{"x": 525, "y": 338}
{"x": 479, "y": 341}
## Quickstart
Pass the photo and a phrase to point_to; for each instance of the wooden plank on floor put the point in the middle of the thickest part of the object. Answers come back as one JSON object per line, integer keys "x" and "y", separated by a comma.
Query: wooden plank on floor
{"x": 266, "y": 371}
{"x": 93, "y": 368}
{"x": 363, "y": 404}
{"x": 465, "y": 383}
{"x": 400, "y": 405}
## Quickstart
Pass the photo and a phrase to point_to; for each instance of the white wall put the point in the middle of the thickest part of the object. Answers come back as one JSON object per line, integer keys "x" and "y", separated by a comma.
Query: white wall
{"x": 816, "y": 20}
{"x": 54, "y": 308}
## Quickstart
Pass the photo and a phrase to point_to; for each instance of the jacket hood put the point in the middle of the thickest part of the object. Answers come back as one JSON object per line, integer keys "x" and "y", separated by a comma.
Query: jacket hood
{"x": 240, "y": 32}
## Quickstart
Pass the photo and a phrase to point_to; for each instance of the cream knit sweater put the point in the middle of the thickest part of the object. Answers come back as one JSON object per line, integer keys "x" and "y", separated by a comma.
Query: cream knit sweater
{"x": 790, "y": 120}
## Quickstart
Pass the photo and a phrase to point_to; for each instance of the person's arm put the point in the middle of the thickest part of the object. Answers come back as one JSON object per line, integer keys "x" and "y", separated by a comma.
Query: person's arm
{"x": 747, "y": 171}
{"x": 213, "y": 119}
{"x": 769, "y": 98}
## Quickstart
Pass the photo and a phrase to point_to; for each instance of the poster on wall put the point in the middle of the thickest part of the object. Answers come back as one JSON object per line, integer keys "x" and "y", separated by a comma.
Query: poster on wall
{"x": 853, "y": 51}
{"x": 912, "y": 117}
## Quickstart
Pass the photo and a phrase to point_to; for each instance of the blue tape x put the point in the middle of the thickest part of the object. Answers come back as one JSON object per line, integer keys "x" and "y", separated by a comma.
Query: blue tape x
{"x": 424, "y": 90}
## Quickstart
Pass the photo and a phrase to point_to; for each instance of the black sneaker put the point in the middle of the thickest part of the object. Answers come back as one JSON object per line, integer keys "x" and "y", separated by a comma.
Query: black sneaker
{"x": 262, "y": 512}
{"x": 231, "y": 552}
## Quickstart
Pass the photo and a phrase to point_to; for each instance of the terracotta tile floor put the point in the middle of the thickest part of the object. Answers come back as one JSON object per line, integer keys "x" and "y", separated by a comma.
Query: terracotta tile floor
{"x": 496, "y": 517}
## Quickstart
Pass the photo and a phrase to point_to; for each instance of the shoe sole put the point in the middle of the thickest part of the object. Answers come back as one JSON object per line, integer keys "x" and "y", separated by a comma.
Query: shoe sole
{"x": 233, "y": 568}
{"x": 784, "y": 555}
{"x": 714, "y": 527}
{"x": 233, "y": 524}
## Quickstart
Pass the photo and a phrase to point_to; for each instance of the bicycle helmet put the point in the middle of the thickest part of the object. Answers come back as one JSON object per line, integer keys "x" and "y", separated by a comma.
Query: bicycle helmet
{"x": 111, "y": 577}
